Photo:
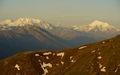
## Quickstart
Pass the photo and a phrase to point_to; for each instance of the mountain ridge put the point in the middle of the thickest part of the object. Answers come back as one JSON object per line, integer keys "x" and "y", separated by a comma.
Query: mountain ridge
{"x": 100, "y": 58}
{"x": 46, "y": 25}
{"x": 23, "y": 22}
{"x": 102, "y": 26}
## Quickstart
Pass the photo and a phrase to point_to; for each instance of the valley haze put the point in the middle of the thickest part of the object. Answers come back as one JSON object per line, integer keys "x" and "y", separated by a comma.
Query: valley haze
{"x": 26, "y": 34}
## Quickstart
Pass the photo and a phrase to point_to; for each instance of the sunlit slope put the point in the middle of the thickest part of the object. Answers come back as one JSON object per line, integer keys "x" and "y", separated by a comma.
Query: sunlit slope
{"x": 100, "y": 58}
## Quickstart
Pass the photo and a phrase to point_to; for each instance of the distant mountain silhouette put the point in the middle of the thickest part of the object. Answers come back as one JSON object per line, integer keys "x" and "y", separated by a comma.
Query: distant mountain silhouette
{"x": 29, "y": 38}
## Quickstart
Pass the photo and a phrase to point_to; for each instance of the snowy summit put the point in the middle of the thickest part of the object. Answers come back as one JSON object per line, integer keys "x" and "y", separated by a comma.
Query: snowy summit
{"x": 95, "y": 26}
{"x": 7, "y": 24}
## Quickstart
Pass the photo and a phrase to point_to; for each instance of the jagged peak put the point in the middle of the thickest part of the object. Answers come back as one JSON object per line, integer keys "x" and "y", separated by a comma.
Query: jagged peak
{"x": 21, "y": 22}
{"x": 98, "y": 21}
{"x": 24, "y": 22}
{"x": 28, "y": 19}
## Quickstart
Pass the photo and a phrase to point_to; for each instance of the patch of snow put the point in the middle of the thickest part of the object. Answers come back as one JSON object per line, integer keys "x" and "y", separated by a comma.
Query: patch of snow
{"x": 47, "y": 53}
{"x": 61, "y": 54}
{"x": 39, "y": 60}
{"x": 71, "y": 57}
{"x": 48, "y": 64}
{"x": 62, "y": 62}
{"x": 103, "y": 42}
{"x": 93, "y": 51}
{"x": 82, "y": 47}
{"x": 103, "y": 69}
{"x": 36, "y": 55}
{"x": 73, "y": 61}
{"x": 45, "y": 65}
{"x": 99, "y": 57}
{"x": 100, "y": 66}
{"x": 17, "y": 66}
{"x": 99, "y": 53}
{"x": 116, "y": 70}
{"x": 45, "y": 70}
{"x": 47, "y": 57}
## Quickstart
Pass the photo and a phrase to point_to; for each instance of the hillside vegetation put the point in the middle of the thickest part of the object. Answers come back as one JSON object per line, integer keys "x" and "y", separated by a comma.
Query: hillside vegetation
{"x": 100, "y": 58}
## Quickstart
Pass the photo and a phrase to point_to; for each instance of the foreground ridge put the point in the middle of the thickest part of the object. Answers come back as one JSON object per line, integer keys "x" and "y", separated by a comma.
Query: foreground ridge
{"x": 100, "y": 58}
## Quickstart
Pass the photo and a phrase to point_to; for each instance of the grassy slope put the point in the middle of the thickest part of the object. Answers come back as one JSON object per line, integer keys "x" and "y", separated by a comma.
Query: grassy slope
{"x": 86, "y": 62}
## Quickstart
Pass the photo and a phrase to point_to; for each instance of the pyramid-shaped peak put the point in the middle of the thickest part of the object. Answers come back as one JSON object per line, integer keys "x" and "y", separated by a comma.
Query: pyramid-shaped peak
{"x": 99, "y": 23}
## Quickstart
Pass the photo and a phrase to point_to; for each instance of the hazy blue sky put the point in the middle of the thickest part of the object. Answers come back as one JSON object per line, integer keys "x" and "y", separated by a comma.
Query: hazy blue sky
{"x": 66, "y": 12}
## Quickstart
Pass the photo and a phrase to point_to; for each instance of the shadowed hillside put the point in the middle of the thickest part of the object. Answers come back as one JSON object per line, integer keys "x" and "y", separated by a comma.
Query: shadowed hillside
{"x": 28, "y": 38}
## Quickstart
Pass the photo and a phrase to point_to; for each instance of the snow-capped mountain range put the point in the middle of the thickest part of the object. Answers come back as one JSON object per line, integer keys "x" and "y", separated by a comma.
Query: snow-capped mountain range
{"x": 9, "y": 24}
{"x": 96, "y": 26}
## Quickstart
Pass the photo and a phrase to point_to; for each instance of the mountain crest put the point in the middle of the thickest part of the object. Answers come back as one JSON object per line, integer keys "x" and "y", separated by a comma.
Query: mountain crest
{"x": 9, "y": 24}
{"x": 99, "y": 23}
{"x": 96, "y": 26}
{"x": 24, "y": 21}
